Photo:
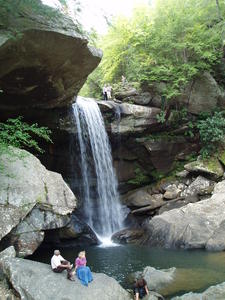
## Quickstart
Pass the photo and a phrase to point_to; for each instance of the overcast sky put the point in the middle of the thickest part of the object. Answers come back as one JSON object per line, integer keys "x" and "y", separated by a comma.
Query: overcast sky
{"x": 93, "y": 11}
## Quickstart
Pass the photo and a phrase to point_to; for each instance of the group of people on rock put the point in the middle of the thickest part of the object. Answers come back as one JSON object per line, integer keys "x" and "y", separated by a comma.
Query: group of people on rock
{"x": 59, "y": 264}
{"x": 107, "y": 92}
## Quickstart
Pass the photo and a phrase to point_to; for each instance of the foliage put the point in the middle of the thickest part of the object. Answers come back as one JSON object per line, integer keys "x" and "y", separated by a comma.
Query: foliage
{"x": 178, "y": 117}
{"x": 211, "y": 131}
{"x": 170, "y": 42}
{"x": 140, "y": 178}
{"x": 161, "y": 117}
{"x": 16, "y": 133}
{"x": 13, "y": 10}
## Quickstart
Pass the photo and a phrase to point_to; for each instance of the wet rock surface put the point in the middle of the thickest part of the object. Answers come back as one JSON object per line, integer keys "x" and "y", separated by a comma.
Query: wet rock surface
{"x": 130, "y": 236}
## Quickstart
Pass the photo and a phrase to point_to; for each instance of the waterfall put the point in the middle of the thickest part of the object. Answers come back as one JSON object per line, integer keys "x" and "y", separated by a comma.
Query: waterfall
{"x": 102, "y": 210}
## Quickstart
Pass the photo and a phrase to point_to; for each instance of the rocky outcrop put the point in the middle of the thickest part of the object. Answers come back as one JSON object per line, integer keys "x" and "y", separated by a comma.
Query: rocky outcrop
{"x": 163, "y": 152}
{"x": 35, "y": 281}
{"x": 196, "y": 225}
{"x": 143, "y": 197}
{"x": 132, "y": 118}
{"x": 202, "y": 95}
{"x": 156, "y": 279}
{"x": 212, "y": 168}
{"x": 199, "y": 186}
{"x": 216, "y": 292}
{"x": 79, "y": 230}
{"x": 33, "y": 199}
{"x": 130, "y": 236}
{"x": 217, "y": 241}
{"x": 44, "y": 58}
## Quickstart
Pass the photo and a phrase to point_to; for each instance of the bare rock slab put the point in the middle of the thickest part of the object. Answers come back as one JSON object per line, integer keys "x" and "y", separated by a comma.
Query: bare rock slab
{"x": 36, "y": 281}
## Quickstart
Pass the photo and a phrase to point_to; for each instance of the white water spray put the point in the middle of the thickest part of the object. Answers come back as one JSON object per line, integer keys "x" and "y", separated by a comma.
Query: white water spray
{"x": 104, "y": 214}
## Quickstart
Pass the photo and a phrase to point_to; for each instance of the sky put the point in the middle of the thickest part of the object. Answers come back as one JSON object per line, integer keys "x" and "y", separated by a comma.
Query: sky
{"x": 93, "y": 11}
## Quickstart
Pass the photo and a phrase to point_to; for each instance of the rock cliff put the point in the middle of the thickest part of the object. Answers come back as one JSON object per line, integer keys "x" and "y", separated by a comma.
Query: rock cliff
{"x": 32, "y": 199}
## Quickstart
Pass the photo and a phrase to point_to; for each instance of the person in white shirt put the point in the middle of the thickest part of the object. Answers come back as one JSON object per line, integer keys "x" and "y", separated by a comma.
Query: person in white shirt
{"x": 109, "y": 91}
{"x": 104, "y": 91}
{"x": 59, "y": 264}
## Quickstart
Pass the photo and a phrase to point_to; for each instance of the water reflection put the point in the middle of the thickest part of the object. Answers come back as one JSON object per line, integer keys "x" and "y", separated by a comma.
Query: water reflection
{"x": 196, "y": 269}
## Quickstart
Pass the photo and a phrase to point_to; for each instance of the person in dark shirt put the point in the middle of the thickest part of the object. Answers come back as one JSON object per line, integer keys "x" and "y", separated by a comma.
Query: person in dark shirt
{"x": 140, "y": 288}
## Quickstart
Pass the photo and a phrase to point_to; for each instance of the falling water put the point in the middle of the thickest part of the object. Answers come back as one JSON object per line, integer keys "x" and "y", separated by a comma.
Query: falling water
{"x": 104, "y": 213}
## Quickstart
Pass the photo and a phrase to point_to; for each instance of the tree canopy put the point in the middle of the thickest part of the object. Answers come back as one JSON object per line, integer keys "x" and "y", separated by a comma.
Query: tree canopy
{"x": 170, "y": 42}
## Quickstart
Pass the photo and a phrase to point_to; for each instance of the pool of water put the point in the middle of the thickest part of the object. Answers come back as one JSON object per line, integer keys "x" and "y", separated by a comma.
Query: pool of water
{"x": 196, "y": 269}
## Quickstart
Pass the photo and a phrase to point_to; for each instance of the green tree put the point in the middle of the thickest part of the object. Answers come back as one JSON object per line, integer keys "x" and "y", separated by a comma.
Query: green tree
{"x": 19, "y": 134}
{"x": 170, "y": 42}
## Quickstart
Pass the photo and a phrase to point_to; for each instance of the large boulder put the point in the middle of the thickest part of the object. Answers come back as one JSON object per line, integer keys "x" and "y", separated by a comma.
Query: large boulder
{"x": 36, "y": 281}
{"x": 217, "y": 240}
{"x": 191, "y": 226}
{"x": 200, "y": 185}
{"x": 156, "y": 279}
{"x": 77, "y": 229}
{"x": 211, "y": 167}
{"x": 142, "y": 197}
{"x": 32, "y": 198}
{"x": 202, "y": 95}
{"x": 45, "y": 59}
{"x": 130, "y": 236}
{"x": 143, "y": 98}
{"x": 216, "y": 292}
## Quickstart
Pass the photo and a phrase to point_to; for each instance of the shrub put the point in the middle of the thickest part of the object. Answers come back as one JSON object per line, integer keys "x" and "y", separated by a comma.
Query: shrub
{"x": 211, "y": 131}
{"x": 19, "y": 134}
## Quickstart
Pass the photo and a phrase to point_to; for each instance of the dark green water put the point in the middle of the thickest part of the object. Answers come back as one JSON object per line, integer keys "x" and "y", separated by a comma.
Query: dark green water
{"x": 196, "y": 269}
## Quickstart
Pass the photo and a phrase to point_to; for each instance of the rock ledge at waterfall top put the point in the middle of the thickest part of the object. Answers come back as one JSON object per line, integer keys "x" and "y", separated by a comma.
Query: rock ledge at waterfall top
{"x": 134, "y": 118}
{"x": 196, "y": 225}
{"x": 44, "y": 59}
{"x": 35, "y": 281}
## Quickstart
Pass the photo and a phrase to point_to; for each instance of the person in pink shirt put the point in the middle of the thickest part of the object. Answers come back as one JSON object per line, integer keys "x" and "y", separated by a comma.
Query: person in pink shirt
{"x": 83, "y": 272}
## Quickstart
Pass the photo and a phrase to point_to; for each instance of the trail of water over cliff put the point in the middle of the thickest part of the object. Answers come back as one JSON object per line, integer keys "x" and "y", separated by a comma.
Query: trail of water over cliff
{"x": 104, "y": 213}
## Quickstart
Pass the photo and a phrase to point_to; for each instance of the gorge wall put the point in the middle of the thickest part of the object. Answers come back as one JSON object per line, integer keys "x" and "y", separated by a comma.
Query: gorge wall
{"x": 46, "y": 60}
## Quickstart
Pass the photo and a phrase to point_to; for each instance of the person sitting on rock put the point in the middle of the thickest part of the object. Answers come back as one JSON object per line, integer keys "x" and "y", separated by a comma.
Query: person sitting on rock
{"x": 83, "y": 272}
{"x": 59, "y": 264}
{"x": 140, "y": 288}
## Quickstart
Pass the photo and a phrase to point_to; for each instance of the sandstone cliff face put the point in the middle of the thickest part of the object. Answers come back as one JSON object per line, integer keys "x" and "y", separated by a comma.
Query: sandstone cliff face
{"x": 44, "y": 58}
{"x": 32, "y": 199}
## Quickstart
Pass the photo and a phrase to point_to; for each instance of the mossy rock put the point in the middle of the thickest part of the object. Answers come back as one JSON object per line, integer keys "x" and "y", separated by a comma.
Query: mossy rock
{"x": 210, "y": 166}
{"x": 221, "y": 156}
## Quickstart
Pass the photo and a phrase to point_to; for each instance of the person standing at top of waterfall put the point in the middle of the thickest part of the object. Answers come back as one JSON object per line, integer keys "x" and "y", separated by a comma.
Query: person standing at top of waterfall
{"x": 123, "y": 80}
{"x": 104, "y": 91}
{"x": 109, "y": 91}
{"x": 83, "y": 272}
